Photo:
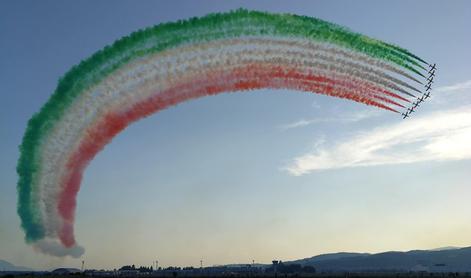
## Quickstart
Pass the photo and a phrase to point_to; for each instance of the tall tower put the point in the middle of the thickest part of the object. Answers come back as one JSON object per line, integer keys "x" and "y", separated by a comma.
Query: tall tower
{"x": 83, "y": 264}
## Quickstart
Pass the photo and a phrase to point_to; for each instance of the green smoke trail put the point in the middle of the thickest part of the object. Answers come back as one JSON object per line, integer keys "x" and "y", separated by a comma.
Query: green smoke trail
{"x": 233, "y": 24}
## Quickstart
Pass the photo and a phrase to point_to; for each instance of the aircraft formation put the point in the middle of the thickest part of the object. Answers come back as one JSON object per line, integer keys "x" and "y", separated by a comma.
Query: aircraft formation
{"x": 425, "y": 95}
{"x": 158, "y": 67}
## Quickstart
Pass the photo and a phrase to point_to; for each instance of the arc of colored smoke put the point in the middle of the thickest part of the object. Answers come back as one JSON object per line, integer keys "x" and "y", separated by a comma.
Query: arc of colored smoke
{"x": 161, "y": 66}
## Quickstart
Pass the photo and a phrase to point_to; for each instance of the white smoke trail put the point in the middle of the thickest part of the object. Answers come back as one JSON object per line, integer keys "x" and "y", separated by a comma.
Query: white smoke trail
{"x": 141, "y": 78}
{"x": 54, "y": 248}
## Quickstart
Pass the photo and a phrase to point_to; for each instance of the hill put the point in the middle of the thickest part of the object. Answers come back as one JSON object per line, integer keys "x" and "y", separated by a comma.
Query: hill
{"x": 6, "y": 266}
{"x": 438, "y": 260}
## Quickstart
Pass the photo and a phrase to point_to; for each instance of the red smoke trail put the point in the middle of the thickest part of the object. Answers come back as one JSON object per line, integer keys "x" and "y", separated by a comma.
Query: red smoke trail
{"x": 248, "y": 77}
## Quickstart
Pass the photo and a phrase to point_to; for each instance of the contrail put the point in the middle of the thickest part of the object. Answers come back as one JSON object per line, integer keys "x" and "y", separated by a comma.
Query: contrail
{"x": 161, "y": 66}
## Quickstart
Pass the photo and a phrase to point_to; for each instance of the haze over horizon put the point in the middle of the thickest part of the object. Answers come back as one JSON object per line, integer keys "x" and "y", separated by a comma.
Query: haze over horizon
{"x": 254, "y": 176}
{"x": 331, "y": 255}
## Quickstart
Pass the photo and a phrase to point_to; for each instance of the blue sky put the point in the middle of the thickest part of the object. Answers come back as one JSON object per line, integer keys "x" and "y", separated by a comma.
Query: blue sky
{"x": 261, "y": 175}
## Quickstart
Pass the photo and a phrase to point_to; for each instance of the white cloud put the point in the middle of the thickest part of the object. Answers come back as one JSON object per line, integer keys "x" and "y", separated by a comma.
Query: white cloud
{"x": 350, "y": 118}
{"x": 457, "y": 93}
{"x": 300, "y": 123}
{"x": 455, "y": 87}
{"x": 316, "y": 105}
{"x": 438, "y": 136}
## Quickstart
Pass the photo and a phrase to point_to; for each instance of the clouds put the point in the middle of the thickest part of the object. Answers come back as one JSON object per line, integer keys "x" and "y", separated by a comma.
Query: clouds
{"x": 439, "y": 136}
{"x": 456, "y": 87}
{"x": 444, "y": 135}
{"x": 350, "y": 118}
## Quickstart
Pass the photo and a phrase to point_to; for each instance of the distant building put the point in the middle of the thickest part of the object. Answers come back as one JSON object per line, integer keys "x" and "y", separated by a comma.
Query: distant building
{"x": 65, "y": 271}
{"x": 419, "y": 268}
{"x": 128, "y": 272}
{"x": 100, "y": 273}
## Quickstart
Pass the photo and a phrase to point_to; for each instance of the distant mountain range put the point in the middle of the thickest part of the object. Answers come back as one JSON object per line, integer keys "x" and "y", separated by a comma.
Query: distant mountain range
{"x": 447, "y": 259}
{"x": 6, "y": 266}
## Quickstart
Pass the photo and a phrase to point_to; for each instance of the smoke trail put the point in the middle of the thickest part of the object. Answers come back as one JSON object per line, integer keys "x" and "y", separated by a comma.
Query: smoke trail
{"x": 54, "y": 248}
{"x": 164, "y": 65}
